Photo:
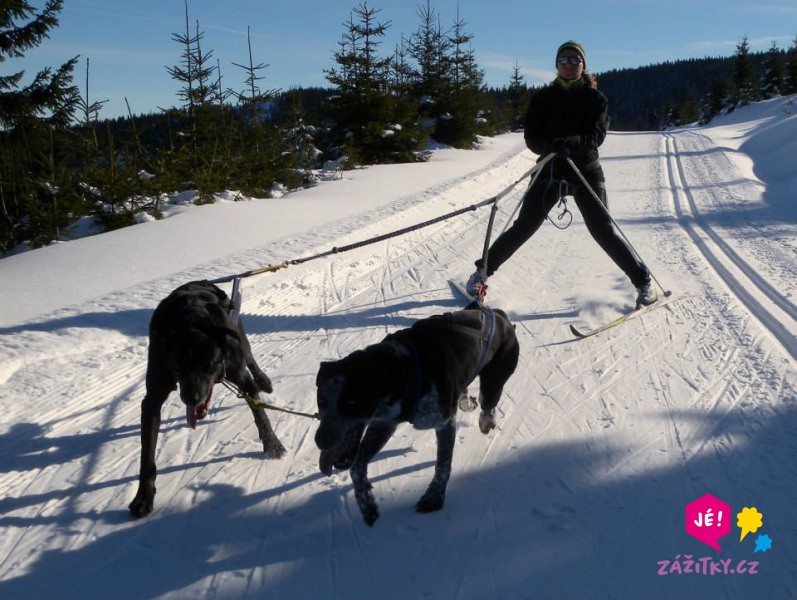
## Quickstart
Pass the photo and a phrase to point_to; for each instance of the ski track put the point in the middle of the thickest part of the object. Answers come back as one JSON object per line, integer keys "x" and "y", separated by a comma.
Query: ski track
{"x": 775, "y": 312}
{"x": 573, "y": 395}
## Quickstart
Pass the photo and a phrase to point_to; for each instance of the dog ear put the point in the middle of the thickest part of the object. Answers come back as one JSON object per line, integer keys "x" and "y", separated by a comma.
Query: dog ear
{"x": 217, "y": 315}
{"x": 221, "y": 296}
{"x": 325, "y": 371}
{"x": 232, "y": 352}
{"x": 226, "y": 337}
{"x": 221, "y": 328}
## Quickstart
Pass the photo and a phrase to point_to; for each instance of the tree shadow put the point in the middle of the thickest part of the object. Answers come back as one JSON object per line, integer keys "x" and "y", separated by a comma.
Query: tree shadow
{"x": 355, "y": 317}
{"x": 544, "y": 521}
{"x": 135, "y": 323}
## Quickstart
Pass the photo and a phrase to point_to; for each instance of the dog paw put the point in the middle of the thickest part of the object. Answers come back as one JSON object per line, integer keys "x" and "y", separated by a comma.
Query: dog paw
{"x": 142, "y": 504}
{"x": 274, "y": 449}
{"x": 487, "y": 421}
{"x": 366, "y": 501}
{"x": 370, "y": 514}
{"x": 466, "y": 403}
{"x": 431, "y": 501}
{"x": 263, "y": 383}
{"x": 344, "y": 463}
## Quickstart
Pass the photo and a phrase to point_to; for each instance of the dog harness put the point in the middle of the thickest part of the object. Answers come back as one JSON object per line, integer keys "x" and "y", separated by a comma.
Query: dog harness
{"x": 486, "y": 336}
{"x": 411, "y": 393}
{"x": 484, "y": 344}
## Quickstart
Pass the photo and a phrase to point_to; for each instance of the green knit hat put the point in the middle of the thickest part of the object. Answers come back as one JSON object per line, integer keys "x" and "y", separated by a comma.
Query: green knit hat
{"x": 573, "y": 45}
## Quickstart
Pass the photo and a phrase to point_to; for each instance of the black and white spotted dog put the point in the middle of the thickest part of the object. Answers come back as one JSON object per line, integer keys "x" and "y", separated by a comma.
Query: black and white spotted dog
{"x": 415, "y": 375}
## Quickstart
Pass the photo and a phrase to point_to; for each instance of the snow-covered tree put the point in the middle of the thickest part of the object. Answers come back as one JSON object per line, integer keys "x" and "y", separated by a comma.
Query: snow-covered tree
{"x": 518, "y": 97}
{"x": 744, "y": 80}
{"x": 429, "y": 47}
{"x": 464, "y": 118}
{"x": 715, "y": 101}
{"x": 371, "y": 122}
{"x": 790, "y": 72}
{"x": 449, "y": 81}
{"x": 772, "y": 80}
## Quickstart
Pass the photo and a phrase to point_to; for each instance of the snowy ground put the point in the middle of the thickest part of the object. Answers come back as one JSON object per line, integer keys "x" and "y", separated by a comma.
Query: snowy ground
{"x": 601, "y": 442}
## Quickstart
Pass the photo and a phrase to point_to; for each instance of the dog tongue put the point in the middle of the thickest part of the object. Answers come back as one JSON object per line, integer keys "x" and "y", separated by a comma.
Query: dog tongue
{"x": 199, "y": 411}
{"x": 326, "y": 461}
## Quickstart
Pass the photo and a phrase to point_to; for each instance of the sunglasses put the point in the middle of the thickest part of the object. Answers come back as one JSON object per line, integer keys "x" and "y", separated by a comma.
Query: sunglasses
{"x": 573, "y": 60}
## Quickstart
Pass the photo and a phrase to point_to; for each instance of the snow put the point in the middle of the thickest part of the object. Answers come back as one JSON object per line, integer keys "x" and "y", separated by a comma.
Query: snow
{"x": 601, "y": 444}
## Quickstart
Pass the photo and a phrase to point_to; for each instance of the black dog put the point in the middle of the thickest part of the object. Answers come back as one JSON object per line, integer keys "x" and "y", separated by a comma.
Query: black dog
{"x": 195, "y": 342}
{"x": 415, "y": 375}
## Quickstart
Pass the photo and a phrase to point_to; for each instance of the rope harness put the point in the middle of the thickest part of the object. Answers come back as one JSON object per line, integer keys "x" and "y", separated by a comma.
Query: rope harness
{"x": 563, "y": 191}
{"x": 484, "y": 344}
{"x": 234, "y": 314}
{"x": 257, "y": 403}
{"x": 236, "y": 300}
{"x": 380, "y": 238}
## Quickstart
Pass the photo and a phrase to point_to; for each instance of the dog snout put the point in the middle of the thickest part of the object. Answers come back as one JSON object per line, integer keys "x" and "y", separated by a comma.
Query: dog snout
{"x": 326, "y": 436}
{"x": 190, "y": 396}
{"x": 193, "y": 393}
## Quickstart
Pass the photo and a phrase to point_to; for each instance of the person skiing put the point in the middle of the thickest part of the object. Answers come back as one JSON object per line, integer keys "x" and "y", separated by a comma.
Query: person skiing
{"x": 569, "y": 117}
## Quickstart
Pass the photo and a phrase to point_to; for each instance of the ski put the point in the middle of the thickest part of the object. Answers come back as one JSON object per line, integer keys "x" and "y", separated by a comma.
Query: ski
{"x": 459, "y": 291}
{"x": 585, "y": 333}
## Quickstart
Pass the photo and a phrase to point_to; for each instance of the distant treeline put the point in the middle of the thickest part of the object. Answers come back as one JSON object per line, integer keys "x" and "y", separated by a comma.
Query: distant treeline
{"x": 681, "y": 92}
{"x": 648, "y": 98}
{"x": 60, "y": 161}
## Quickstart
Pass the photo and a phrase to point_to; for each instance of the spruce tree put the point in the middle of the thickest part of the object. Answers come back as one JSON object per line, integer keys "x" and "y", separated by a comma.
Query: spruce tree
{"x": 252, "y": 97}
{"x": 201, "y": 156}
{"x": 370, "y": 120}
{"x": 714, "y": 102}
{"x": 300, "y": 142}
{"x": 464, "y": 117}
{"x": 790, "y": 75}
{"x": 430, "y": 50}
{"x": 772, "y": 80}
{"x": 689, "y": 109}
{"x": 51, "y": 95}
{"x": 195, "y": 72}
{"x": 37, "y": 195}
{"x": 402, "y": 74}
{"x": 255, "y": 167}
{"x": 744, "y": 81}
{"x": 518, "y": 99}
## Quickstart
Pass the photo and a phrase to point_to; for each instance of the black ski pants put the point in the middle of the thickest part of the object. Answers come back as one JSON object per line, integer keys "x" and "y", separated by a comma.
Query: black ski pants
{"x": 537, "y": 203}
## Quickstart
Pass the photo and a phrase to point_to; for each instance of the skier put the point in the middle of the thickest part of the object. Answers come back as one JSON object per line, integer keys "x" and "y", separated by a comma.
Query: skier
{"x": 569, "y": 117}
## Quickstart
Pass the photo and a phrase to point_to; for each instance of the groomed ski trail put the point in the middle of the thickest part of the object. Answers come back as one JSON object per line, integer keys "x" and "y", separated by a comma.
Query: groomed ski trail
{"x": 577, "y": 442}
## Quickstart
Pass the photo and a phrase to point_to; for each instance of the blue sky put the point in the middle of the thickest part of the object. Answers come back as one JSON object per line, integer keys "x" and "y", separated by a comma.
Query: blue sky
{"x": 129, "y": 44}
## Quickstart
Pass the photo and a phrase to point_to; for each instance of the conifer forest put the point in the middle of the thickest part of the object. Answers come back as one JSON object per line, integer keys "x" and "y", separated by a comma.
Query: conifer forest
{"x": 61, "y": 161}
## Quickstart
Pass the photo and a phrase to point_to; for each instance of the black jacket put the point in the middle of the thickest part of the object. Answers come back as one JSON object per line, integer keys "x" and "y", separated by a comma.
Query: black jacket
{"x": 578, "y": 114}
